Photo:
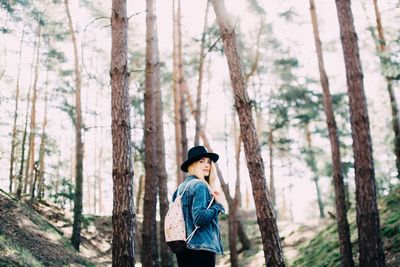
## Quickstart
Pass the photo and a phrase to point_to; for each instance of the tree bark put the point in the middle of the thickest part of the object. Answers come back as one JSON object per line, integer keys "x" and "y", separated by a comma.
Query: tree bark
{"x": 177, "y": 92}
{"x": 31, "y": 140}
{"x": 76, "y": 227}
{"x": 233, "y": 220}
{"x": 340, "y": 196}
{"x": 100, "y": 175}
{"x": 313, "y": 166}
{"x": 14, "y": 132}
{"x": 42, "y": 151}
{"x": 382, "y": 48}
{"x": 40, "y": 170}
{"x": 271, "y": 166}
{"x": 200, "y": 80}
{"x": 273, "y": 252}
{"x": 123, "y": 215}
{"x": 152, "y": 81}
{"x": 181, "y": 82}
{"x": 154, "y": 75}
{"x": 370, "y": 243}
{"x": 20, "y": 185}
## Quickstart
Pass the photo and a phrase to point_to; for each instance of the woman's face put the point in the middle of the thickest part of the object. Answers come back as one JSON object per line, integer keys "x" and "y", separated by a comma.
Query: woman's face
{"x": 205, "y": 164}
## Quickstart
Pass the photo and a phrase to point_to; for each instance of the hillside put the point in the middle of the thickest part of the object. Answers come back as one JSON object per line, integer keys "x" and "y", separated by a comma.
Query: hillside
{"x": 323, "y": 249}
{"x": 39, "y": 237}
{"x": 27, "y": 239}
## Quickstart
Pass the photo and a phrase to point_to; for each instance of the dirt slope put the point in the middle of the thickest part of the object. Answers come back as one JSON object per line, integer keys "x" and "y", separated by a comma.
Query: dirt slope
{"x": 27, "y": 239}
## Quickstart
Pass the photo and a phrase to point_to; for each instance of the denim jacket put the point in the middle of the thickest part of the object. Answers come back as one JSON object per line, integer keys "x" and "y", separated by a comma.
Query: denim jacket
{"x": 194, "y": 204}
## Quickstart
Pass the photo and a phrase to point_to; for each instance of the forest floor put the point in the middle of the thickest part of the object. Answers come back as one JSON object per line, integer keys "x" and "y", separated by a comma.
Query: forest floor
{"x": 292, "y": 234}
{"x": 27, "y": 239}
{"x": 39, "y": 236}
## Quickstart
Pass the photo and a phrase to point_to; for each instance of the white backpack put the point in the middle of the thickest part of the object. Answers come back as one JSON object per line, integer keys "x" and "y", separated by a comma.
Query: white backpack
{"x": 174, "y": 224}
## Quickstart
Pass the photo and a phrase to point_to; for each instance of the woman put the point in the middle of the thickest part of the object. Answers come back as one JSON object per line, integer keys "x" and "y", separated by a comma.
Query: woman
{"x": 201, "y": 206}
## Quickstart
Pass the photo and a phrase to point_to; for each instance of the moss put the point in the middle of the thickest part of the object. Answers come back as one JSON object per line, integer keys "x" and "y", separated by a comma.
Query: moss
{"x": 12, "y": 255}
{"x": 323, "y": 249}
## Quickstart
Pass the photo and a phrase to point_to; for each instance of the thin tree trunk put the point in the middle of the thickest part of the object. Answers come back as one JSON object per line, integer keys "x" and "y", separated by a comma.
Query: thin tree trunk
{"x": 14, "y": 132}
{"x": 233, "y": 220}
{"x": 200, "y": 80}
{"x": 152, "y": 81}
{"x": 139, "y": 197}
{"x": 100, "y": 175}
{"x": 273, "y": 252}
{"x": 313, "y": 166}
{"x": 271, "y": 145}
{"x": 370, "y": 243}
{"x": 21, "y": 182}
{"x": 271, "y": 166}
{"x": 257, "y": 56}
{"x": 177, "y": 94}
{"x": 95, "y": 158}
{"x": 382, "y": 48}
{"x": 31, "y": 151}
{"x": 123, "y": 215}
{"x": 238, "y": 193}
{"x": 76, "y": 228}
{"x": 340, "y": 196}
{"x": 42, "y": 151}
{"x": 181, "y": 83}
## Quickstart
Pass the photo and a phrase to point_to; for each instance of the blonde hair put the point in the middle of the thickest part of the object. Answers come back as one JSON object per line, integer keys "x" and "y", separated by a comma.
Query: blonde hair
{"x": 196, "y": 169}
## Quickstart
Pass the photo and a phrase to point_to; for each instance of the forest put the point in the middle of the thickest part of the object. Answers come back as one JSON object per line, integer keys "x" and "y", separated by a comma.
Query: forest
{"x": 100, "y": 102}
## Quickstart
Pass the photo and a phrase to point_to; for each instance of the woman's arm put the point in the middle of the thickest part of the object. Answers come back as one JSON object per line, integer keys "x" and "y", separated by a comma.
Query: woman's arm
{"x": 201, "y": 215}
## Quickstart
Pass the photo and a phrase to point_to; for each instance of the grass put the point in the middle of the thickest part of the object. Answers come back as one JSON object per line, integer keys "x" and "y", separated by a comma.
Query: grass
{"x": 13, "y": 255}
{"x": 28, "y": 239}
{"x": 323, "y": 249}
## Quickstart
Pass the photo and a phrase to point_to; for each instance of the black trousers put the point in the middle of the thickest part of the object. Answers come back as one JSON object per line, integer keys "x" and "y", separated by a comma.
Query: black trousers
{"x": 196, "y": 258}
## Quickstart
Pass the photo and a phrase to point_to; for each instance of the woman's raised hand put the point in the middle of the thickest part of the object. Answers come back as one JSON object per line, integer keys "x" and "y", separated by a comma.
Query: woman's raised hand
{"x": 216, "y": 194}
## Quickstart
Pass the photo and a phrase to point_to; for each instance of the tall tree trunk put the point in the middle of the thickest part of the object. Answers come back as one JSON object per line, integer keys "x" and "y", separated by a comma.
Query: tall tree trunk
{"x": 21, "y": 182}
{"x": 271, "y": 166}
{"x": 42, "y": 150}
{"x": 340, "y": 196}
{"x": 370, "y": 243}
{"x": 273, "y": 252}
{"x": 200, "y": 80}
{"x": 271, "y": 144}
{"x": 246, "y": 244}
{"x": 233, "y": 220}
{"x": 32, "y": 134}
{"x": 177, "y": 92}
{"x": 96, "y": 164}
{"x": 14, "y": 132}
{"x": 76, "y": 228}
{"x": 100, "y": 175}
{"x": 123, "y": 215}
{"x": 153, "y": 73}
{"x": 238, "y": 141}
{"x": 181, "y": 82}
{"x": 313, "y": 166}
{"x": 152, "y": 81}
{"x": 382, "y": 48}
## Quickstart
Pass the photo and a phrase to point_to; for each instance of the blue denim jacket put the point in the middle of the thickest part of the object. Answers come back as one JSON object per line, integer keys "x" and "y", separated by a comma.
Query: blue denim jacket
{"x": 194, "y": 204}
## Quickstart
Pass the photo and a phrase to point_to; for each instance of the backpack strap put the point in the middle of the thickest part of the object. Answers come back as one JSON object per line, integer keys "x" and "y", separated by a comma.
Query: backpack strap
{"x": 187, "y": 185}
{"x": 184, "y": 190}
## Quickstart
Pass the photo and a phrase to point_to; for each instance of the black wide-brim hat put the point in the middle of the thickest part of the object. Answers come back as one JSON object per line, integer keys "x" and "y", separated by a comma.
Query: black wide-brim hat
{"x": 196, "y": 153}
